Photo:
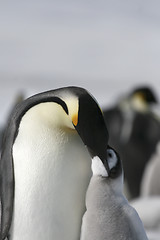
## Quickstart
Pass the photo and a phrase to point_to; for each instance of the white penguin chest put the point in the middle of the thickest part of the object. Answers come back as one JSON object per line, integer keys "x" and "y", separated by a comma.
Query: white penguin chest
{"x": 52, "y": 171}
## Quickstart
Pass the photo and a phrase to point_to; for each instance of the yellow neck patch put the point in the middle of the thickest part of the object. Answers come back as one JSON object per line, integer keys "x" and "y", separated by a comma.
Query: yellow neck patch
{"x": 75, "y": 119}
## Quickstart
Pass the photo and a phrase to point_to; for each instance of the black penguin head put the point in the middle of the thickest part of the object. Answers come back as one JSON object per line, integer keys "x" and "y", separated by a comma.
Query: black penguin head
{"x": 145, "y": 93}
{"x": 113, "y": 162}
{"x": 91, "y": 126}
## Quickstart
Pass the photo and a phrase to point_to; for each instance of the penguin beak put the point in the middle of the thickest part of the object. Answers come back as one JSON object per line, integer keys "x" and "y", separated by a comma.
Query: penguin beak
{"x": 90, "y": 125}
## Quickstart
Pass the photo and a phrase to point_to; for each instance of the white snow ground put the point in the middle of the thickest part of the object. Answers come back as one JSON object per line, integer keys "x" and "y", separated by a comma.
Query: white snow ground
{"x": 106, "y": 46}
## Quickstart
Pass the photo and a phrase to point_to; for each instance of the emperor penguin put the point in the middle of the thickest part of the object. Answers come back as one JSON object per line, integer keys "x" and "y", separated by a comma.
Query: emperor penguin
{"x": 45, "y": 164}
{"x": 134, "y": 131}
{"x": 108, "y": 214}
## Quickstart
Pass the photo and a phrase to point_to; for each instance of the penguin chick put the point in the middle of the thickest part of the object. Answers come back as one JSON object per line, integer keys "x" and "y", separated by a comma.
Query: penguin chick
{"x": 108, "y": 214}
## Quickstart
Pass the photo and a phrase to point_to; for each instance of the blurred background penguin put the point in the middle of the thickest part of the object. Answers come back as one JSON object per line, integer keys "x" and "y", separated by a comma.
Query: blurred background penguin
{"x": 134, "y": 130}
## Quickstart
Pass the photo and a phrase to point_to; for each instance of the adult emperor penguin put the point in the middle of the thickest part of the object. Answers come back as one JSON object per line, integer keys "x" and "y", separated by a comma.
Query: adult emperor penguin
{"x": 134, "y": 132}
{"x": 45, "y": 164}
{"x": 108, "y": 214}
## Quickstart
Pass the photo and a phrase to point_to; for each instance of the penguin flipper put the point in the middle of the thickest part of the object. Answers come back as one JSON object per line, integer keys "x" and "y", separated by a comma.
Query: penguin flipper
{"x": 6, "y": 188}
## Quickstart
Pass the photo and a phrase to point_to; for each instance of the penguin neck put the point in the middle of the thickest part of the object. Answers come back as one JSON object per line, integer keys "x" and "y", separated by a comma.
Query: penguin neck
{"x": 102, "y": 190}
{"x": 51, "y": 168}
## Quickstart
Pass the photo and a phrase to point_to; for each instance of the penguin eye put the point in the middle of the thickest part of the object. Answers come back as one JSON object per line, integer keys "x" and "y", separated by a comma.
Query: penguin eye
{"x": 111, "y": 158}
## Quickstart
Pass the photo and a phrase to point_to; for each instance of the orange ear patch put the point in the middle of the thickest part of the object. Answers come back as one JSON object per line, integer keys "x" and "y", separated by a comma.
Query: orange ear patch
{"x": 75, "y": 119}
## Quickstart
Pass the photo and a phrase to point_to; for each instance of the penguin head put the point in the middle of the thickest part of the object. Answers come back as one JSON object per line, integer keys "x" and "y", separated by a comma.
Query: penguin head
{"x": 114, "y": 164}
{"x": 141, "y": 98}
{"x": 145, "y": 93}
{"x": 87, "y": 119}
{"x": 91, "y": 127}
